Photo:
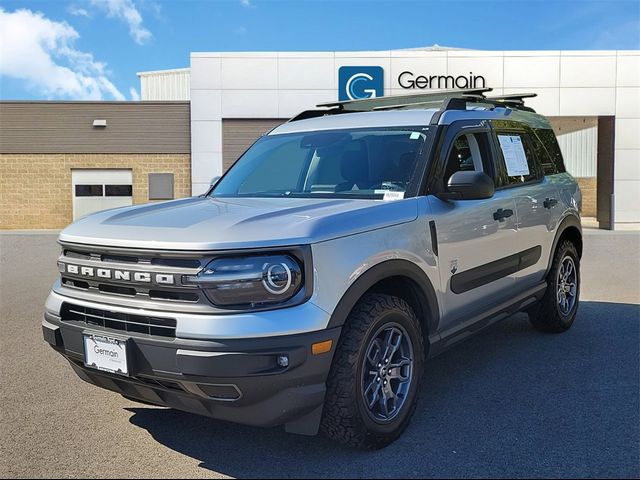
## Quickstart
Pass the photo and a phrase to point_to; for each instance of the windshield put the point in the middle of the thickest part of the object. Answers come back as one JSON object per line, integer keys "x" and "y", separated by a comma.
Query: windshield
{"x": 376, "y": 163}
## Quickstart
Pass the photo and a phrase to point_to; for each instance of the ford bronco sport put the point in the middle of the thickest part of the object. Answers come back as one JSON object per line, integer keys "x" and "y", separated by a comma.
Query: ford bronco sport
{"x": 311, "y": 283}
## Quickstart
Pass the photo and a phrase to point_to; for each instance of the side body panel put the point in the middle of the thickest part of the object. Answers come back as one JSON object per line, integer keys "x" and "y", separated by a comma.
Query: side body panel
{"x": 468, "y": 238}
{"x": 537, "y": 220}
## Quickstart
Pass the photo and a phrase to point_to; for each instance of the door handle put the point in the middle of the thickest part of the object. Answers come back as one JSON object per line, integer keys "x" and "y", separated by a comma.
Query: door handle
{"x": 501, "y": 214}
{"x": 550, "y": 202}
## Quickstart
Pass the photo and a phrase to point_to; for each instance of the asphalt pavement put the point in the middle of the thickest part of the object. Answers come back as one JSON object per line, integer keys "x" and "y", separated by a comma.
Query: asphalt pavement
{"x": 509, "y": 402}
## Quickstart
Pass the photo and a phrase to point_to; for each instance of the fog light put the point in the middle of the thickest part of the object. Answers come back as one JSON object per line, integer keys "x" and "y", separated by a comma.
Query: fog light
{"x": 283, "y": 361}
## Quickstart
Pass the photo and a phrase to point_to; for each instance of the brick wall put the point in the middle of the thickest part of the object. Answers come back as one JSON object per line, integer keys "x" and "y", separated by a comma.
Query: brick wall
{"x": 35, "y": 189}
{"x": 589, "y": 189}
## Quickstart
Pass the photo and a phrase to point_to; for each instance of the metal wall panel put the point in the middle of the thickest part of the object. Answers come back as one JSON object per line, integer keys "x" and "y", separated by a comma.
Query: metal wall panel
{"x": 578, "y": 140}
{"x": 580, "y": 151}
{"x": 239, "y": 134}
{"x": 67, "y": 127}
{"x": 166, "y": 85}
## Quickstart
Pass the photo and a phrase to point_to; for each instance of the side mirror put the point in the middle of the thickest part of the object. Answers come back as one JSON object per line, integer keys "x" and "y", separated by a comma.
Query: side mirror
{"x": 214, "y": 180}
{"x": 470, "y": 186}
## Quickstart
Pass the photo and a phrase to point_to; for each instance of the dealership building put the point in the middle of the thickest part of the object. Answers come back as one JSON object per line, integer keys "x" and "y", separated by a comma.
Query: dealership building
{"x": 60, "y": 160}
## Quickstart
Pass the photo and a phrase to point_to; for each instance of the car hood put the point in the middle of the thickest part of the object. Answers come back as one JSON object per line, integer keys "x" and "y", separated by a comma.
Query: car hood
{"x": 205, "y": 223}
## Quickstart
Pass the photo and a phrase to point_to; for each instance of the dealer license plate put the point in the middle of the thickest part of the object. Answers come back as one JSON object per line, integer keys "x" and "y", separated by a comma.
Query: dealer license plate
{"x": 106, "y": 353}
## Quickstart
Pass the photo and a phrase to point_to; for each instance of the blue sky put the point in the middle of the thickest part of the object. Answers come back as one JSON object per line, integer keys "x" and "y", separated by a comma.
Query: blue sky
{"x": 92, "y": 49}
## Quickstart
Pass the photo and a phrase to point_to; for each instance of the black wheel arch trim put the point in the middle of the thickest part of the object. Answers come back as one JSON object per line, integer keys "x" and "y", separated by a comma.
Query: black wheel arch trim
{"x": 382, "y": 271}
{"x": 570, "y": 220}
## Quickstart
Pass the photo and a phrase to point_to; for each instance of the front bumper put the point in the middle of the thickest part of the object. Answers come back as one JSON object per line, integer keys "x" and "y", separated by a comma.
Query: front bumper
{"x": 237, "y": 380}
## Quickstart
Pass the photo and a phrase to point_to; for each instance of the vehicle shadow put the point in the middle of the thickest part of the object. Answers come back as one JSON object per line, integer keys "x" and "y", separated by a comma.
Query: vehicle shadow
{"x": 509, "y": 402}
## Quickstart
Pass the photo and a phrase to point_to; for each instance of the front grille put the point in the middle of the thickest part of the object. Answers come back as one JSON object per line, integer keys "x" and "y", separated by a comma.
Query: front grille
{"x": 95, "y": 317}
{"x": 146, "y": 259}
{"x": 104, "y": 288}
{"x": 101, "y": 264}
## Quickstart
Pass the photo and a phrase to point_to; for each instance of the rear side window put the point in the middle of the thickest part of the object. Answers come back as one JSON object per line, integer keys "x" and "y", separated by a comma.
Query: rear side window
{"x": 548, "y": 151}
{"x": 518, "y": 161}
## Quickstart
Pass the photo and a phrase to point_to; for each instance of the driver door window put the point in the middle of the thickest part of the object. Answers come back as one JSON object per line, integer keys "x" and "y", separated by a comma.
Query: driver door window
{"x": 469, "y": 152}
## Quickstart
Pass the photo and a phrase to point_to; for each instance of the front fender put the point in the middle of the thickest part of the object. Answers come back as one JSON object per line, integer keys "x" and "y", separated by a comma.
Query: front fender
{"x": 381, "y": 271}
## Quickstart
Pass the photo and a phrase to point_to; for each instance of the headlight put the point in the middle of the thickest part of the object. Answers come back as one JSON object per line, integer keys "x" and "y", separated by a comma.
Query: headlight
{"x": 252, "y": 281}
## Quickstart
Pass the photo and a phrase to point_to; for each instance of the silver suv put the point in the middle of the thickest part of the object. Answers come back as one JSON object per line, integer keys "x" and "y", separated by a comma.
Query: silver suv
{"x": 313, "y": 281}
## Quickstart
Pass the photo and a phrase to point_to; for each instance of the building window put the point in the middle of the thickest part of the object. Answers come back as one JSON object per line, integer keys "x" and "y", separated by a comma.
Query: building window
{"x": 118, "y": 191}
{"x": 88, "y": 190}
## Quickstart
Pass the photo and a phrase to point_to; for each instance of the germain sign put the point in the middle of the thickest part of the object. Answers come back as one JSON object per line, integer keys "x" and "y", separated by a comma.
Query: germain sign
{"x": 408, "y": 80}
{"x": 357, "y": 82}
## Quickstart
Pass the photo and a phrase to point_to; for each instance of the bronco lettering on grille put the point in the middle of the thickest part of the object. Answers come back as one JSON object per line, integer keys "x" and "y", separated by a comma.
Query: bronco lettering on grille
{"x": 122, "y": 275}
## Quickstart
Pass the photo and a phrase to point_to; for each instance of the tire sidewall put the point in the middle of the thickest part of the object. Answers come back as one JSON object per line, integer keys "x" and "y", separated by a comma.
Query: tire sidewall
{"x": 414, "y": 335}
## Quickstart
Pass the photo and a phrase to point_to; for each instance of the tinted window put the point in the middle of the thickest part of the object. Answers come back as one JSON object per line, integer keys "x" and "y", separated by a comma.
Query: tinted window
{"x": 276, "y": 169}
{"x": 117, "y": 190}
{"x": 363, "y": 163}
{"x": 548, "y": 151}
{"x": 518, "y": 163}
{"x": 88, "y": 190}
{"x": 469, "y": 152}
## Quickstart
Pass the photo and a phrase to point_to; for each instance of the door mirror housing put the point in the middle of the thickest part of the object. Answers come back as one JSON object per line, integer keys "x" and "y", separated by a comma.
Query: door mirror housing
{"x": 469, "y": 186}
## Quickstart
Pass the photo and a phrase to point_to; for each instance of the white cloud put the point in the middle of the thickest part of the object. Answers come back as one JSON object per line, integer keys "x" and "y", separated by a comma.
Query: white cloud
{"x": 126, "y": 11}
{"x": 246, "y": 3}
{"x": 77, "y": 11}
{"x": 41, "y": 52}
{"x": 135, "y": 96}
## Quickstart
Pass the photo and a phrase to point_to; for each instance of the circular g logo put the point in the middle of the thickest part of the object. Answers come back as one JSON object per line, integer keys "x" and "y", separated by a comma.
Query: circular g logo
{"x": 358, "y": 82}
{"x": 354, "y": 93}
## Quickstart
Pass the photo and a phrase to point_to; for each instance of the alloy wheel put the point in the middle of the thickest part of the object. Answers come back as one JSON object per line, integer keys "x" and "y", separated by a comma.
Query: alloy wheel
{"x": 387, "y": 372}
{"x": 567, "y": 285}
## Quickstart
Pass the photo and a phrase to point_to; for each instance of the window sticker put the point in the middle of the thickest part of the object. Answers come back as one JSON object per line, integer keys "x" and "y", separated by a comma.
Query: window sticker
{"x": 390, "y": 195}
{"x": 514, "y": 155}
{"x": 414, "y": 136}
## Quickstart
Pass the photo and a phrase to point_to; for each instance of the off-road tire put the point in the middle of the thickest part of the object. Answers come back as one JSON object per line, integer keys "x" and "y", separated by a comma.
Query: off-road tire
{"x": 345, "y": 418}
{"x": 546, "y": 316}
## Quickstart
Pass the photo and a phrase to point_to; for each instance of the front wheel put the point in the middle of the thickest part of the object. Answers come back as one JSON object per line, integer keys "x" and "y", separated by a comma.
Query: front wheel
{"x": 373, "y": 383}
{"x": 557, "y": 309}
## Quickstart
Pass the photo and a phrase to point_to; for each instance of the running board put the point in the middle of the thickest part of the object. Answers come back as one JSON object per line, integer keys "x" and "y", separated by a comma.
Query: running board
{"x": 444, "y": 340}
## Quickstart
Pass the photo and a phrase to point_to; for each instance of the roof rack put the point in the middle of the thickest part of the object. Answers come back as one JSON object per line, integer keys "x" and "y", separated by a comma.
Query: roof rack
{"x": 443, "y": 100}
{"x": 393, "y": 101}
{"x": 515, "y": 100}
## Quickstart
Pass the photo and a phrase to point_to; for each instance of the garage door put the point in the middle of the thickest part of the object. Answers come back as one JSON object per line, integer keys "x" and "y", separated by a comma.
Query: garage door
{"x": 99, "y": 189}
{"x": 239, "y": 134}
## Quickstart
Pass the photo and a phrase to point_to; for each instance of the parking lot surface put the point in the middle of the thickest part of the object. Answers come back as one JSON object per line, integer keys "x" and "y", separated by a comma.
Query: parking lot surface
{"x": 509, "y": 402}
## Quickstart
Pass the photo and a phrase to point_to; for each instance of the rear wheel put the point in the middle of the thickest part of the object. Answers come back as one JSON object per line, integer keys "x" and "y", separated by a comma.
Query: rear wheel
{"x": 557, "y": 310}
{"x": 373, "y": 384}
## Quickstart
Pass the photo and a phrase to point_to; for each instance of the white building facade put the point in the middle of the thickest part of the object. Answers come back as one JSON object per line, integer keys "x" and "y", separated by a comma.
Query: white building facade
{"x": 592, "y": 98}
